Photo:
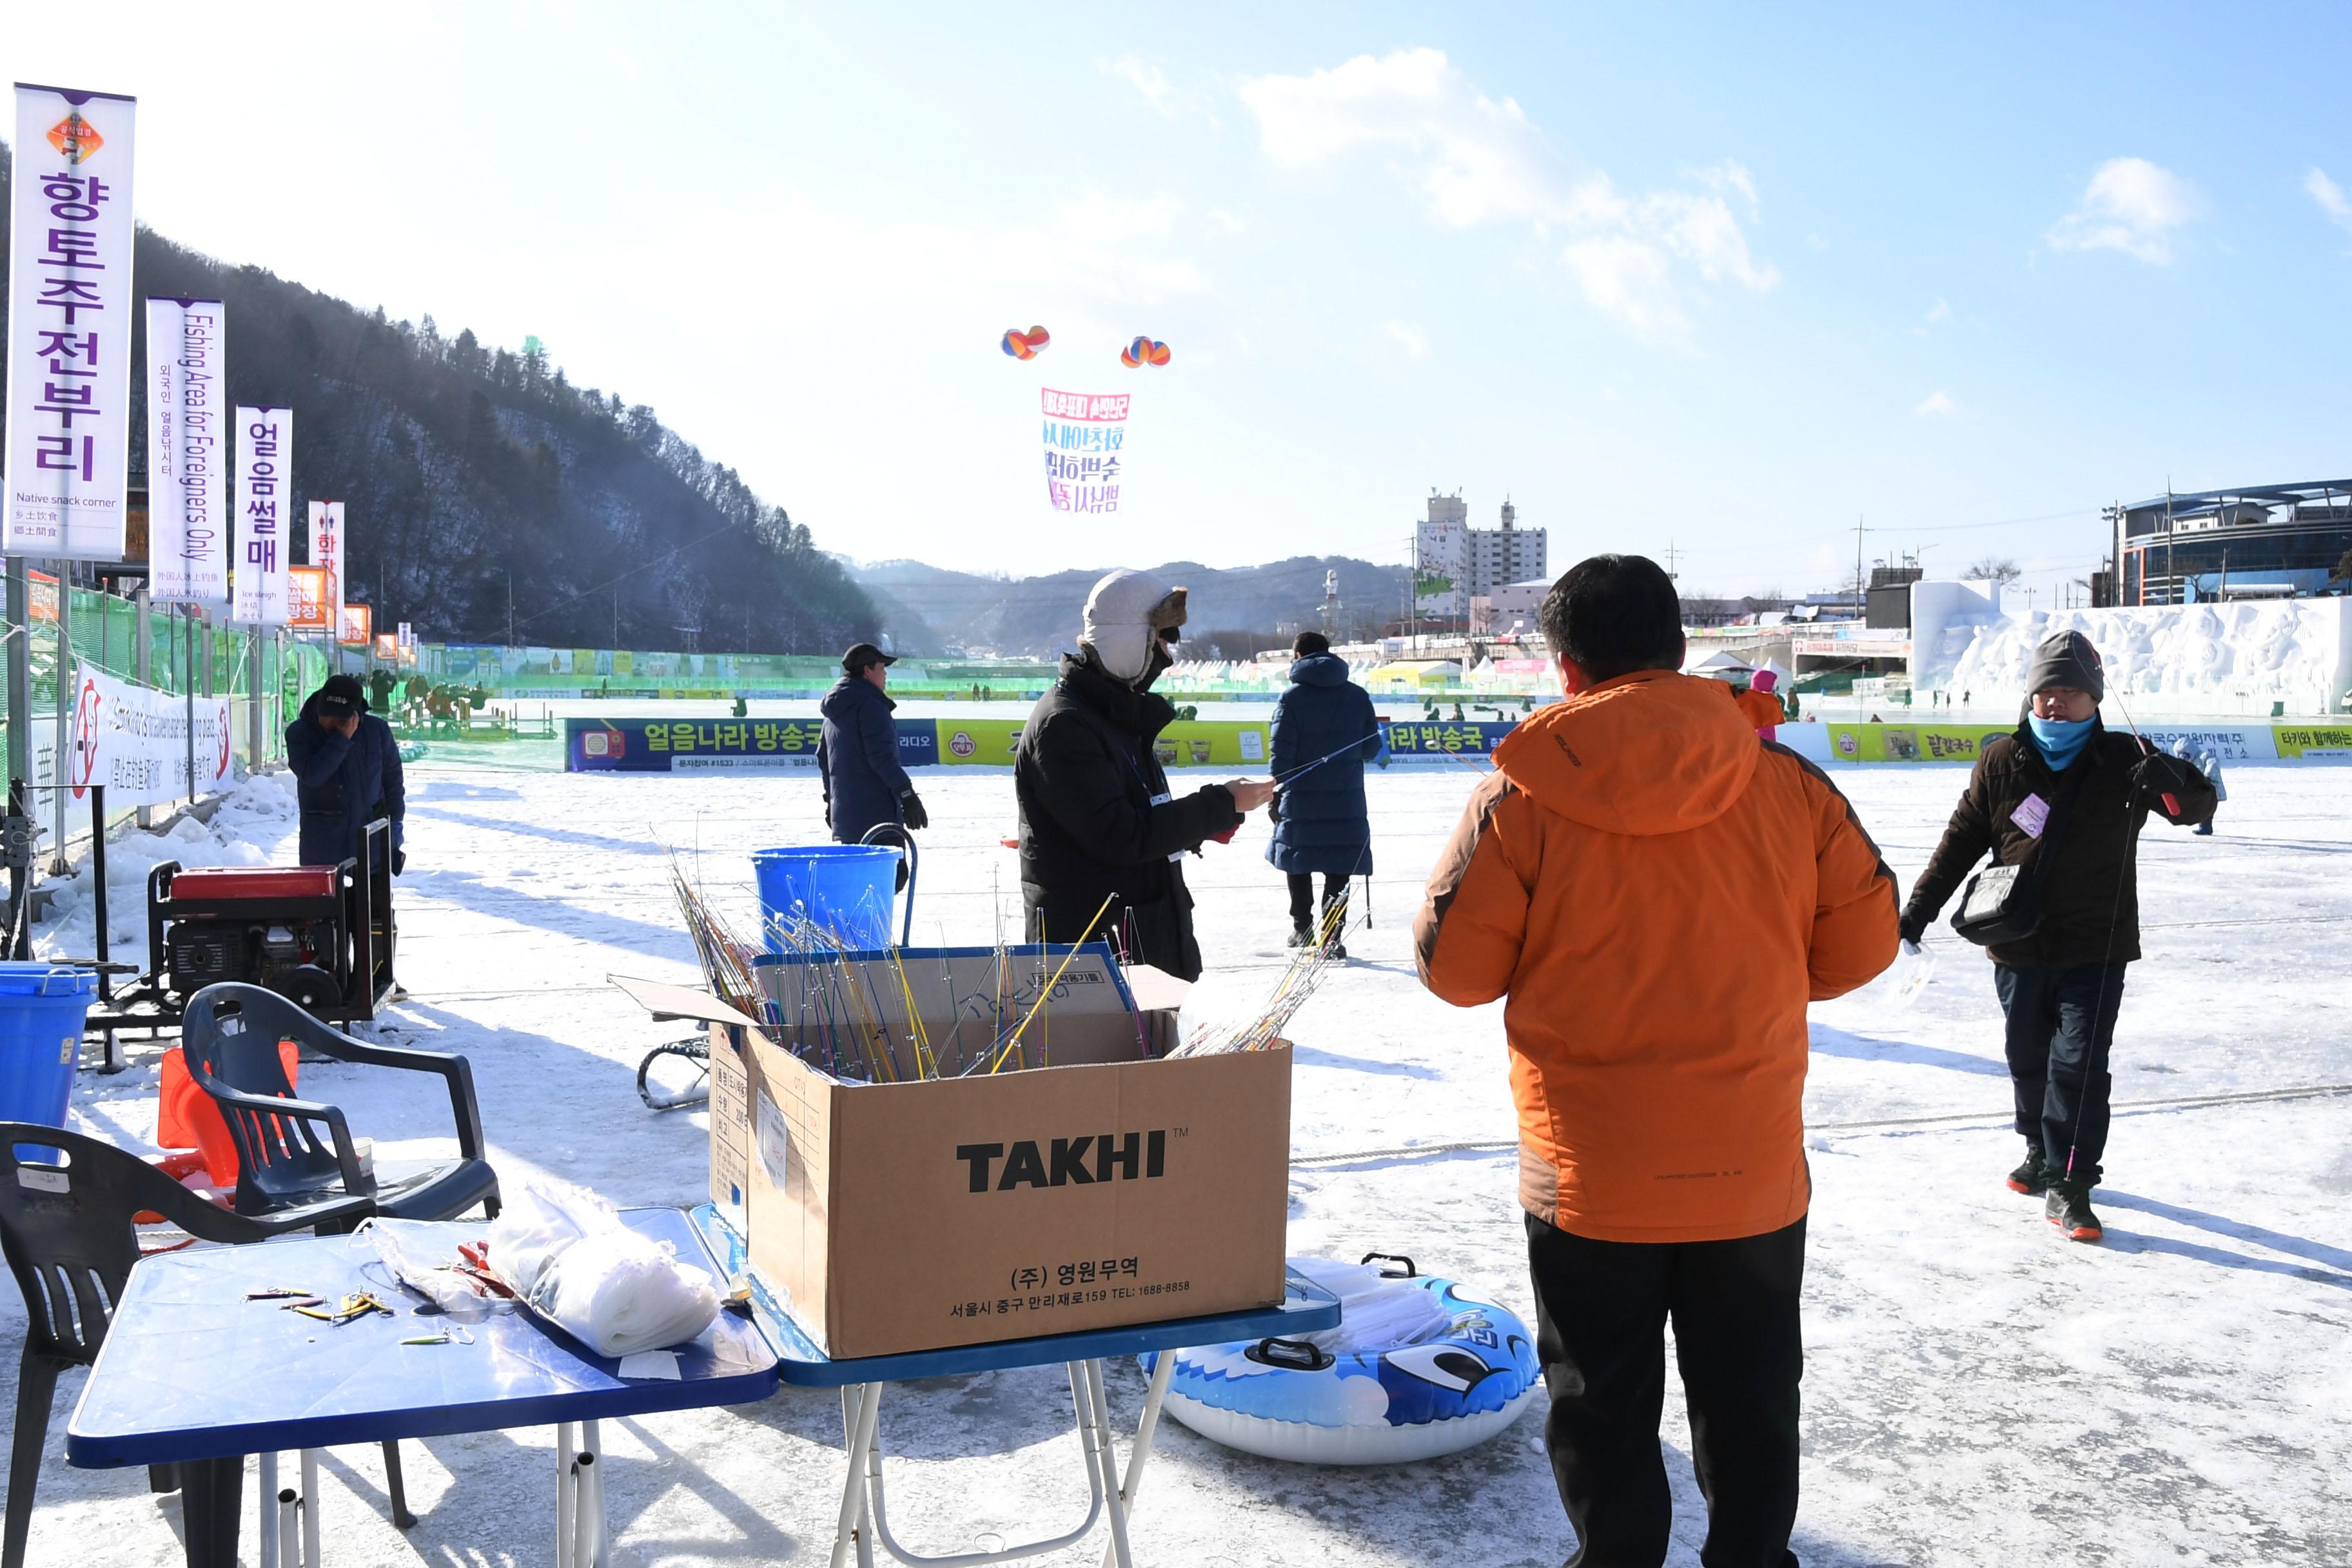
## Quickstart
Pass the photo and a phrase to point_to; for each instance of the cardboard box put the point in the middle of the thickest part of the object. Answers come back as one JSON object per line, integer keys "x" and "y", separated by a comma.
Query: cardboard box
{"x": 1102, "y": 1189}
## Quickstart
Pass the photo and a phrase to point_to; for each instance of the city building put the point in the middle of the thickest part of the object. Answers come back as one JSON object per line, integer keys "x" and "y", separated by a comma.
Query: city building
{"x": 1453, "y": 562}
{"x": 2262, "y": 542}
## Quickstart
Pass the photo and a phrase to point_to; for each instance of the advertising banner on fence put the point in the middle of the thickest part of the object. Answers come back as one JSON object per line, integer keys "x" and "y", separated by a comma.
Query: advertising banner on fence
{"x": 265, "y": 486}
{"x": 1911, "y": 742}
{"x": 354, "y": 628}
{"x": 2298, "y": 740}
{"x": 135, "y": 741}
{"x": 306, "y": 599}
{"x": 1411, "y": 740}
{"x": 69, "y": 408}
{"x": 327, "y": 554}
{"x": 716, "y": 745}
{"x": 187, "y": 453}
{"x": 1086, "y": 448}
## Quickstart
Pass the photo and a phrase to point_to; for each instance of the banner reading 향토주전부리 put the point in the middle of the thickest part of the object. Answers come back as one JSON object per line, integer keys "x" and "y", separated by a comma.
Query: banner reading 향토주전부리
{"x": 265, "y": 470}
{"x": 135, "y": 740}
{"x": 187, "y": 453}
{"x": 68, "y": 447}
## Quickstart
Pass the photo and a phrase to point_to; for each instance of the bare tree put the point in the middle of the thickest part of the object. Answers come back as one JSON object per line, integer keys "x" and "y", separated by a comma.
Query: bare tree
{"x": 1995, "y": 569}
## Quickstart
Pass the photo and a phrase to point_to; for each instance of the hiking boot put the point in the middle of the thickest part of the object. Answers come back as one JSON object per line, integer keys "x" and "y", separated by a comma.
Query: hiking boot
{"x": 1300, "y": 936}
{"x": 1338, "y": 951}
{"x": 2069, "y": 1208}
{"x": 2032, "y": 1177}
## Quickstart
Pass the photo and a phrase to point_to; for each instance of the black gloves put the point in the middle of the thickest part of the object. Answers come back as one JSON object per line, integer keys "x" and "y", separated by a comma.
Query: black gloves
{"x": 399, "y": 861}
{"x": 1274, "y": 808}
{"x": 911, "y": 812}
{"x": 1913, "y": 926}
{"x": 399, "y": 855}
{"x": 2154, "y": 776}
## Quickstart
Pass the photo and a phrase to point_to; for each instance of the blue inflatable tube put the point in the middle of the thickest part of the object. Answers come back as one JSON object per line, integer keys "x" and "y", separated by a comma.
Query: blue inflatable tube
{"x": 1289, "y": 1399}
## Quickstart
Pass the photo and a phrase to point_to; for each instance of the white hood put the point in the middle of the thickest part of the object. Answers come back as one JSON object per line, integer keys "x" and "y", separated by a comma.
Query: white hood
{"x": 1123, "y": 612}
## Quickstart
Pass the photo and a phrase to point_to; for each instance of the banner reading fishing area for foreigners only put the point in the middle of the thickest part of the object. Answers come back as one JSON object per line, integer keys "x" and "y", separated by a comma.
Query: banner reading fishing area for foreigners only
{"x": 187, "y": 453}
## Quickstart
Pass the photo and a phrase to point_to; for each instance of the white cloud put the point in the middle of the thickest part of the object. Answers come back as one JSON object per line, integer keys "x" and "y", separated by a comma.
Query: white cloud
{"x": 1413, "y": 340}
{"x": 1938, "y": 404}
{"x": 1472, "y": 159}
{"x": 2330, "y": 197}
{"x": 1147, "y": 79}
{"x": 2131, "y": 205}
{"x": 1941, "y": 311}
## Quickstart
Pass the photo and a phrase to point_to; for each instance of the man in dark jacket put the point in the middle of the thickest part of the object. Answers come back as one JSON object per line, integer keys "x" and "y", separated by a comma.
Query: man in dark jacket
{"x": 346, "y": 764}
{"x": 1323, "y": 733}
{"x": 2065, "y": 777}
{"x": 857, "y": 754}
{"x": 1096, "y": 818}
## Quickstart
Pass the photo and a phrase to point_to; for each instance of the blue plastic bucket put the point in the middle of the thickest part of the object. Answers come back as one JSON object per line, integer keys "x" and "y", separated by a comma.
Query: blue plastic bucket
{"x": 42, "y": 1009}
{"x": 847, "y": 888}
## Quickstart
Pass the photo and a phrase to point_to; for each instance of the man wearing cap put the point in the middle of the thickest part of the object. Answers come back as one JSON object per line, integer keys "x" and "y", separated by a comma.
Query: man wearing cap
{"x": 1097, "y": 820}
{"x": 346, "y": 767}
{"x": 857, "y": 754}
{"x": 2065, "y": 789}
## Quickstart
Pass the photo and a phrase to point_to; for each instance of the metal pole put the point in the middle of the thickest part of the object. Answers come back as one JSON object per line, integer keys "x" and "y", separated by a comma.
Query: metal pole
{"x": 188, "y": 689}
{"x": 144, "y": 649}
{"x": 20, "y": 670}
{"x": 253, "y": 699}
{"x": 58, "y": 774}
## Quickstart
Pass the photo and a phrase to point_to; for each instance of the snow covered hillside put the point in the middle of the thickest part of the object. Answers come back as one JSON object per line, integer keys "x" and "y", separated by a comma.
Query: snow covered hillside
{"x": 1977, "y": 1391}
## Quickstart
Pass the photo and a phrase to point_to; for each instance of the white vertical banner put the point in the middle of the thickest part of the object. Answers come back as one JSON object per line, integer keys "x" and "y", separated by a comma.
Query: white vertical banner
{"x": 327, "y": 554}
{"x": 187, "y": 453}
{"x": 68, "y": 410}
{"x": 264, "y": 480}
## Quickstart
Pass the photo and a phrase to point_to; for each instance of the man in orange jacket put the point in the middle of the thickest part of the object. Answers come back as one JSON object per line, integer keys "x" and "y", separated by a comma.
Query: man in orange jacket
{"x": 1658, "y": 893}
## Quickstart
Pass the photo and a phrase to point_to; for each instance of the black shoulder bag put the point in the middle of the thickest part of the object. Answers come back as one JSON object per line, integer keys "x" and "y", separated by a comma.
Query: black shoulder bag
{"x": 2003, "y": 903}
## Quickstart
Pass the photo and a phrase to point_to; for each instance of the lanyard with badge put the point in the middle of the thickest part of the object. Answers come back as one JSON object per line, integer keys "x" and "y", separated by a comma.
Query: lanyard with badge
{"x": 1162, "y": 798}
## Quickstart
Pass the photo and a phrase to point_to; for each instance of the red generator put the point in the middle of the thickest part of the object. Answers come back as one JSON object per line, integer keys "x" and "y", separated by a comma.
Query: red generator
{"x": 320, "y": 936}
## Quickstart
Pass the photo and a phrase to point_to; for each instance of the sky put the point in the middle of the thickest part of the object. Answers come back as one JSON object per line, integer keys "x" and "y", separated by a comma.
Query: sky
{"x": 1723, "y": 281}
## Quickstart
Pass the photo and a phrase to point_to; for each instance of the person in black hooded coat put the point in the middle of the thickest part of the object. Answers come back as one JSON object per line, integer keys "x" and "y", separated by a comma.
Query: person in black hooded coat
{"x": 1323, "y": 733}
{"x": 1097, "y": 820}
{"x": 347, "y": 772}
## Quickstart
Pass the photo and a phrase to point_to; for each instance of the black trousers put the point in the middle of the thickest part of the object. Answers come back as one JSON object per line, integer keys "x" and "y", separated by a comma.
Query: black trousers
{"x": 1601, "y": 1310}
{"x": 1302, "y": 897}
{"x": 2060, "y": 1033}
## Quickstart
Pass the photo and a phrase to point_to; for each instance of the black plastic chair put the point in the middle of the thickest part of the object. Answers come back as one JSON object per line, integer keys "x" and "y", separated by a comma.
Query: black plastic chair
{"x": 229, "y": 1038}
{"x": 69, "y": 1236}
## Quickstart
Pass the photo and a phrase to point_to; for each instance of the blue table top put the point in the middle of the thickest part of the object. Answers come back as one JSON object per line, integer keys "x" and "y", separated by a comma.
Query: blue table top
{"x": 191, "y": 1370}
{"x": 1308, "y": 1310}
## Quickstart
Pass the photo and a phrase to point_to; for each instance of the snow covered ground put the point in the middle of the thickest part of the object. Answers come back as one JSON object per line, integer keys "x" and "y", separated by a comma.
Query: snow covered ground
{"x": 1977, "y": 1390}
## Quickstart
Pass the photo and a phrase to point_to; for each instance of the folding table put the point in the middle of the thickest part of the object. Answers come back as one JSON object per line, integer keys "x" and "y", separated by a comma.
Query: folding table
{"x": 1306, "y": 1310}
{"x": 192, "y": 1373}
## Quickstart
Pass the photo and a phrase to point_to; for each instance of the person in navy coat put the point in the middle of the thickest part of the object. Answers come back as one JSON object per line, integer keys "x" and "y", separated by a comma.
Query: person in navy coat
{"x": 1323, "y": 733}
{"x": 347, "y": 772}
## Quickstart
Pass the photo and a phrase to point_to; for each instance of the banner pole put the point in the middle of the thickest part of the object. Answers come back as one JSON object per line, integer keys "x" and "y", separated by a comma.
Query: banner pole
{"x": 58, "y": 797}
{"x": 20, "y": 670}
{"x": 188, "y": 689}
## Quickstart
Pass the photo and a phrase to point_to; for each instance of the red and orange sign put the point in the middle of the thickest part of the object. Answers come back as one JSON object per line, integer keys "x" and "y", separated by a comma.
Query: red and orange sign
{"x": 354, "y": 632}
{"x": 306, "y": 598}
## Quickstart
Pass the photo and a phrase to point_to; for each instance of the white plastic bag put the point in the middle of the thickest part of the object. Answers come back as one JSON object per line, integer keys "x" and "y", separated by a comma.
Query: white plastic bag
{"x": 567, "y": 1253}
{"x": 417, "y": 1253}
{"x": 1377, "y": 1313}
{"x": 1908, "y": 977}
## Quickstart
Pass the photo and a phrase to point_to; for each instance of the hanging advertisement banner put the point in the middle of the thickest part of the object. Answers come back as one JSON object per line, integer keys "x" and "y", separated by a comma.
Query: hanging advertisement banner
{"x": 327, "y": 552}
{"x": 188, "y": 536}
{"x": 387, "y": 648}
{"x": 353, "y": 629}
{"x": 1086, "y": 448}
{"x": 135, "y": 741}
{"x": 69, "y": 408}
{"x": 306, "y": 599}
{"x": 265, "y": 476}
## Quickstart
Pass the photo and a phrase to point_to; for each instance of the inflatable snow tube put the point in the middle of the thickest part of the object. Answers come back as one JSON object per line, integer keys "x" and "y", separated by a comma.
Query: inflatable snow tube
{"x": 1460, "y": 1381}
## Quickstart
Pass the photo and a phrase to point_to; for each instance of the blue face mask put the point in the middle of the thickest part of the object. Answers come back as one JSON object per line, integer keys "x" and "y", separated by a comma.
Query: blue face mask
{"x": 2059, "y": 741}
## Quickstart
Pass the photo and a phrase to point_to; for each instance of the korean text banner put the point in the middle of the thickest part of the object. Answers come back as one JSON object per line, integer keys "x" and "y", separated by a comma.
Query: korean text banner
{"x": 327, "y": 553}
{"x": 135, "y": 741}
{"x": 356, "y": 629}
{"x": 717, "y": 745}
{"x": 69, "y": 408}
{"x": 187, "y": 450}
{"x": 265, "y": 474}
{"x": 306, "y": 599}
{"x": 1086, "y": 448}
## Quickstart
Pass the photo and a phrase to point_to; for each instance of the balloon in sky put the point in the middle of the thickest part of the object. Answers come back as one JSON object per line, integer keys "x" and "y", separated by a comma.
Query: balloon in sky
{"x": 1025, "y": 345}
{"x": 1142, "y": 351}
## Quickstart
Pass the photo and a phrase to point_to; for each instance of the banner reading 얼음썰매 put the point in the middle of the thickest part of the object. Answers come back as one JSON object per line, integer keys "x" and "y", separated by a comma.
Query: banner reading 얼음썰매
{"x": 265, "y": 473}
{"x": 1086, "y": 448}
{"x": 187, "y": 450}
{"x": 68, "y": 398}
{"x": 135, "y": 741}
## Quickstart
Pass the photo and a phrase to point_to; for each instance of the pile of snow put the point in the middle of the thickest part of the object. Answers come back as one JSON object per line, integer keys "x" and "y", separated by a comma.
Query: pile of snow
{"x": 2224, "y": 656}
{"x": 254, "y": 827}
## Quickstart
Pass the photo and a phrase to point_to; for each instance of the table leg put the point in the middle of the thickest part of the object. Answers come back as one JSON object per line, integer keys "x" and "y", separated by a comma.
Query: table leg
{"x": 1106, "y": 1459}
{"x": 209, "y": 1506}
{"x": 565, "y": 1482}
{"x": 1155, "y": 1395}
{"x": 312, "y": 1555}
{"x": 860, "y": 1406}
{"x": 265, "y": 1516}
{"x": 588, "y": 1530}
